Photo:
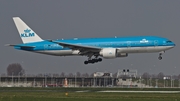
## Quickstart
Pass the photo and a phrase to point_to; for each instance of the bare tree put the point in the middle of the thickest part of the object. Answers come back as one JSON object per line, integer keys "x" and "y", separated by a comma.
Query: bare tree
{"x": 92, "y": 75}
{"x": 85, "y": 75}
{"x": 160, "y": 75}
{"x": 175, "y": 77}
{"x": 49, "y": 74}
{"x": 3, "y": 75}
{"x": 78, "y": 74}
{"x": 70, "y": 75}
{"x": 154, "y": 76}
{"x": 62, "y": 74}
{"x": 115, "y": 75}
{"x": 40, "y": 75}
{"x": 179, "y": 76}
{"x": 15, "y": 69}
{"x": 55, "y": 75}
{"x": 145, "y": 75}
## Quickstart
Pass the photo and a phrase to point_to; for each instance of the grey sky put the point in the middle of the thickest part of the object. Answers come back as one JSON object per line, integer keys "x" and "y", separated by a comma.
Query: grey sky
{"x": 56, "y": 19}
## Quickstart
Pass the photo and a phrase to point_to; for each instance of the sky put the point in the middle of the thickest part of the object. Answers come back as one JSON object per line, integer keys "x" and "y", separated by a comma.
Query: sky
{"x": 56, "y": 19}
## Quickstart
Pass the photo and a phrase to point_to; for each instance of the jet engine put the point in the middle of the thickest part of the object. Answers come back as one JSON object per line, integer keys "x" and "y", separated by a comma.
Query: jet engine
{"x": 112, "y": 53}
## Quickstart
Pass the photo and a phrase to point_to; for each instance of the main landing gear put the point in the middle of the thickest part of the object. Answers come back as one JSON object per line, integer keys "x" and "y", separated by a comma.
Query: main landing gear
{"x": 93, "y": 61}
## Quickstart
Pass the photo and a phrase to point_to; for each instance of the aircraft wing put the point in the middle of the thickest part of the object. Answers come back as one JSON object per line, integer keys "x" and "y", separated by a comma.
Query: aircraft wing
{"x": 82, "y": 48}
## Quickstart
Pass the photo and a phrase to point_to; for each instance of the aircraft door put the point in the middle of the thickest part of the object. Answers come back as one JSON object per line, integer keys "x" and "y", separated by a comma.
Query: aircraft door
{"x": 156, "y": 43}
{"x": 129, "y": 44}
{"x": 45, "y": 47}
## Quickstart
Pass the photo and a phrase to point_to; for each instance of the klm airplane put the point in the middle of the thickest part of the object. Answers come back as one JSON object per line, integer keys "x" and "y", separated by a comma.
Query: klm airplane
{"x": 93, "y": 48}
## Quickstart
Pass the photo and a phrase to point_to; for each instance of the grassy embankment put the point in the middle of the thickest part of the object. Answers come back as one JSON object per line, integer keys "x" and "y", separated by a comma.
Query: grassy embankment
{"x": 59, "y": 94}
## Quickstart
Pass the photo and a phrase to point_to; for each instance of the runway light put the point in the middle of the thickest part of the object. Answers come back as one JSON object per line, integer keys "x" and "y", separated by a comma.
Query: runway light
{"x": 66, "y": 94}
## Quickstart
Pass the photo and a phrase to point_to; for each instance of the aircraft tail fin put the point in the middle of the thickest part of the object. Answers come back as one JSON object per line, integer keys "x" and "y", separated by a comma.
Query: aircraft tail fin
{"x": 26, "y": 33}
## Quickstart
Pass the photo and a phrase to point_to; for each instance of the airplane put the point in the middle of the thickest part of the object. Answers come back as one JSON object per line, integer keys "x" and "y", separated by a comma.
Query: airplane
{"x": 94, "y": 48}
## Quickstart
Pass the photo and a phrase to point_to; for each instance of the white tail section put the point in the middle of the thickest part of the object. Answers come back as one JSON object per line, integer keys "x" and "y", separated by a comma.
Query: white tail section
{"x": 26, "y": 33}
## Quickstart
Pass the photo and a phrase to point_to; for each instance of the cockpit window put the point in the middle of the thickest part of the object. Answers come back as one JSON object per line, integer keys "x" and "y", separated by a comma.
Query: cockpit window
{"x": 169, "y": 41}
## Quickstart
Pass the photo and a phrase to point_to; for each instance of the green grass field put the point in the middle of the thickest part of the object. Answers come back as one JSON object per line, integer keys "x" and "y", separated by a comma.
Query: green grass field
{"x": 59, "y": 94}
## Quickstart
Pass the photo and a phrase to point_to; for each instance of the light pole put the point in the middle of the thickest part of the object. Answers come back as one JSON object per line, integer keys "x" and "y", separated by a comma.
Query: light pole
{"x": 34, "y": 82}
{"x": 18, "y": 78}
{"x": 156, "y": 83}
{"x": 104, "y": 81}
{"x": 0, "y": 80}
{"x": 164, "y": 82}
{"x": 43, "y": 83}
{"x": 94, "y": 81}
{"x": 12, "y": 78}
{"x": 150, "y": 82}
{"x": 75, "y": 80}
{"x": 140, "y": 82}
{"x": 112, "y": 82}
{"x": 45, "y": 79}
{"x": 99, "y": 82}
{"x": 171, "y": 81}
{"x": 51, "y": 79}
{"x": 56, "y": 81}
{"x": 26, "y": 79}
{"x": 69, "y": 82}
{"x": 62, "y": 81}
{"x": 91, "y": 82}
{"x": 82, "y": 82}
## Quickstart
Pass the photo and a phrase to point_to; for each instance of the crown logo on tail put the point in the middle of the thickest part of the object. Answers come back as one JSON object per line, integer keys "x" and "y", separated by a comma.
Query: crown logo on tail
{"x": 27, "y": 30}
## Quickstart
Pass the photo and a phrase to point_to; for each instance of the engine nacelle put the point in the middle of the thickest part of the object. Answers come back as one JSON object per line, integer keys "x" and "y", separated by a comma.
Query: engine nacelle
{"x": 112, "y": 53}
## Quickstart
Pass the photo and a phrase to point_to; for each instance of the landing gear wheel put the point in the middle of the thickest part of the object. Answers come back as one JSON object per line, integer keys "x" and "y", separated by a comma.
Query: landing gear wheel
{"x": 160, "y": 57}
{"x": 86, "y": 62}
{"x": 94, "y": 60}
{"x": 99, "y": 59}
{"x": 91, "y": 61}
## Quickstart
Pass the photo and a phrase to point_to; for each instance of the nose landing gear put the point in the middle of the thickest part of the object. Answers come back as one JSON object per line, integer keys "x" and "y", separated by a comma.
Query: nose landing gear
{"x": 160, "y": 55}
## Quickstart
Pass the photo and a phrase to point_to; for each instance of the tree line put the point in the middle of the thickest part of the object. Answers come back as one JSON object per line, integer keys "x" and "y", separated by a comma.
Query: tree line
{"x": 16, "y": 69}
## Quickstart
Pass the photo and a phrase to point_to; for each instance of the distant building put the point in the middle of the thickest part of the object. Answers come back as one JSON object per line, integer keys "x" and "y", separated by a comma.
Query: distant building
{"x": 102, "y": 74}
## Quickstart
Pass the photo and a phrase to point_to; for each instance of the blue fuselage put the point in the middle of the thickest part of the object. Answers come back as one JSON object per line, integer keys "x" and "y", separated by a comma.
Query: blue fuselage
{"x": 116, "y": 42}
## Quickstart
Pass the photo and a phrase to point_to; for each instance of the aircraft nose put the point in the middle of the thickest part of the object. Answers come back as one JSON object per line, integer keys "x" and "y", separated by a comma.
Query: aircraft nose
{"x": 174, "y": 44}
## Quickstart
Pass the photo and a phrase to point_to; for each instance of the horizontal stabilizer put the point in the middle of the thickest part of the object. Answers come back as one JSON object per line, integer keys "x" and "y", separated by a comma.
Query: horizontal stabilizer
{"x": 20, "y": 46}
